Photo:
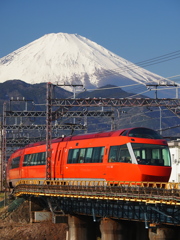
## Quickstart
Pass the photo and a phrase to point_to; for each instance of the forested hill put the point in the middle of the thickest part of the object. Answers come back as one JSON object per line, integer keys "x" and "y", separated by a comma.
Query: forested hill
{"x": 35, "y": 92}
{"x": 124, "y": 117}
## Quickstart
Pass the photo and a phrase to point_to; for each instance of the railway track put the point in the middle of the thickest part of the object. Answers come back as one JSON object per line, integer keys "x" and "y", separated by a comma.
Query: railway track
{"x": 147, "y": 192}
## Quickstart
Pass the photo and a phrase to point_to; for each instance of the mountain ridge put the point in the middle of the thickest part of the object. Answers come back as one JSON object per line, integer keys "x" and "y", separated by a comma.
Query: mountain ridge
{"x": 124, "y": 117}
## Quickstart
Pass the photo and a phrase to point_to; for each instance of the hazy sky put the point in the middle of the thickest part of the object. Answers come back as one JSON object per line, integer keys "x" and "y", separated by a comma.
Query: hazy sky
{"x": 136, "y": 30}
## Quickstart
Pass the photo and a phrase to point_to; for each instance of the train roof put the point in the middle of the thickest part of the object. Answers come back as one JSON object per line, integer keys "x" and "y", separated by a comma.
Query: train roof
{"x": 81, "y": 137}
{"x": 136, "y": 132}
{"x": 95, "y": 135}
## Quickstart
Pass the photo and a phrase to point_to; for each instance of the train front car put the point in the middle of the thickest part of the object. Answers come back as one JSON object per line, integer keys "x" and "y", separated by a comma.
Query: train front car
{"x": 148, "y": 154}
{"x": 131, "y": 155}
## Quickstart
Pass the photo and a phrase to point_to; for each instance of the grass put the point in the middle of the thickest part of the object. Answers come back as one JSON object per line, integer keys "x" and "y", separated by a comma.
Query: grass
{"x": 1, "y": 196}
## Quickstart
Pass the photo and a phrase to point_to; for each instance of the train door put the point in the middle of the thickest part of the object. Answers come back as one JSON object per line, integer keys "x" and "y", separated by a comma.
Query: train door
{"x": 59, "y": 163}
{"x": 21, "y": 163}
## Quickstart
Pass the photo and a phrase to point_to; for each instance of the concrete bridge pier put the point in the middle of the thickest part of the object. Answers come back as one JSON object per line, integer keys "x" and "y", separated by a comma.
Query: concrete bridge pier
{"x": 122, "y": 230}
{"x": 77, "y": 229}
{"x": 112, "y": 230}
{"x": 162, "y": 233}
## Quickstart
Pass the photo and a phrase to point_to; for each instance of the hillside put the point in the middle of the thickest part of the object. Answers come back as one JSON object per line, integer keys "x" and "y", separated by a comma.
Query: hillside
{"x": 132, "y": 117}
{"x": 14, "y": 89}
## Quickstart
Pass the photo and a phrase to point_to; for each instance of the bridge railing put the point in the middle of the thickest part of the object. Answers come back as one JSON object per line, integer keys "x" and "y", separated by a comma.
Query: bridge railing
{"x": 163, "y": 185}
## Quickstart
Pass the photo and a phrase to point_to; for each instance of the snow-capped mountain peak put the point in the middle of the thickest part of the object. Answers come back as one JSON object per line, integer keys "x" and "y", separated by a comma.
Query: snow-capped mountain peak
{"x": 70, "y": 58}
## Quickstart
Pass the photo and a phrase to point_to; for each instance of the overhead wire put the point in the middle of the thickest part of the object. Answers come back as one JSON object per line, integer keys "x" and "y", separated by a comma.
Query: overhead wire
{"x": 145, "y": 63}
{"x": 173, "y": 76}
{"x": 140, "y": 93}
{"x": 161, "y": 56}
{"x": 132, "y": 66}
{"x": 107, "y": 88}
{"x": 128, "y": 116}
{"x": 160, "y": 59}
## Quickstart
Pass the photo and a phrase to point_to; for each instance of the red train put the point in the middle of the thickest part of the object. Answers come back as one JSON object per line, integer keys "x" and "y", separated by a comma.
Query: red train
{"x": 133, "y": 154}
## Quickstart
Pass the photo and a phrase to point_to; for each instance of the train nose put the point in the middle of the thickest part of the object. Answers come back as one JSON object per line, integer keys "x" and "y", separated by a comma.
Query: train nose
{"x": 151, "y": 178}
{"x": 154, "y": 173}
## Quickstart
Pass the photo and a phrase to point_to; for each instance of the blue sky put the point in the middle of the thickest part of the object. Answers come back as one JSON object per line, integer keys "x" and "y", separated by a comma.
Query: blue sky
{"x": 136, "y": 30}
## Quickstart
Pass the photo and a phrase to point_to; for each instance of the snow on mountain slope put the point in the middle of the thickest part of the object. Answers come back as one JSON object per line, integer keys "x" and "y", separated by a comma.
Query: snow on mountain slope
{"x": 70, "y": 58}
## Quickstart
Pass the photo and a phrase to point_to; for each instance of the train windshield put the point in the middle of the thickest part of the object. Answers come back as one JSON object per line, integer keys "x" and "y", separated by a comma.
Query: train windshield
{"x": 151, "y": 154}
{"x": 142, "y": 133}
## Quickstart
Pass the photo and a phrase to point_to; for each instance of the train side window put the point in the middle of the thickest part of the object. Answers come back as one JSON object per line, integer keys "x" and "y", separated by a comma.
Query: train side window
{"x": 98, "y": 153}
{"x": 15, "y": 163}
{"x": 113, "y": 154}
{"x": 82, "y": 155}
{"x": 27, "y": 160}
{"x": 119, "y": 153}
{"x": 70, "y": 156}
{"x": 34, "y": 159}
{"x": 73, "y": 155}
{"x": 101, "y": 154}
{"x": 166, "y": 157}
{"x": 88, "y": 156}
{"x": 41, "y": 158}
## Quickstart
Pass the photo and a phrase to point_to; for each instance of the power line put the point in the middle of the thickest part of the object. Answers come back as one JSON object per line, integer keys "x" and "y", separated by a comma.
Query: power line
{"x": 173, "y": 76}
{"x": 132, "y": 66}
{"x": 155, "y": 60}
{"x": 140, "y": 87}
{"x": 162, "y": 58}
{"x": 145, "y": 63}
{"x": 99, "y": 89}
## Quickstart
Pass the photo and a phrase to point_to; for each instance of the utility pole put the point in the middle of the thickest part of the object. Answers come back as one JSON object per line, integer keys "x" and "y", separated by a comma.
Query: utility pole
{"x": 160, "y": 119}
{"x": 177, "y": 95}
{"x": 163, "y": 84}
{"x": 1, "y": 159}
{"x": 74, "y": 91}
{"x": 71, "y": 85}
{"x": 48, "y": 129}
{"x": 4, "y": 160}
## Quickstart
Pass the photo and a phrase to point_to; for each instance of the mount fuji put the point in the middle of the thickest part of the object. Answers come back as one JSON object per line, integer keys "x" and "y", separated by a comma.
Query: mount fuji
{"x": 63, "y": 58}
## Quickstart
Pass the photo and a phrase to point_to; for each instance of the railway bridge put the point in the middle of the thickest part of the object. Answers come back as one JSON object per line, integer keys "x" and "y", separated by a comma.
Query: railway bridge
{"x": 154, "y": 208}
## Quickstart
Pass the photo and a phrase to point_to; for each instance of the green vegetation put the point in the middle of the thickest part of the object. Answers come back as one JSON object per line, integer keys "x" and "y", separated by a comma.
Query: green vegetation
{"x": 1, "y": 196}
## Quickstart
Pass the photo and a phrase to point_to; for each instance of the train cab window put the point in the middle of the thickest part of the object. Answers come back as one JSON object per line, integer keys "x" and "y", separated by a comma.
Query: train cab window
{"x": 151, "y": 154}
{"x": 142, "y": 133}
{"x": 15, "y": 163}
{"x": 119, "y": 153}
